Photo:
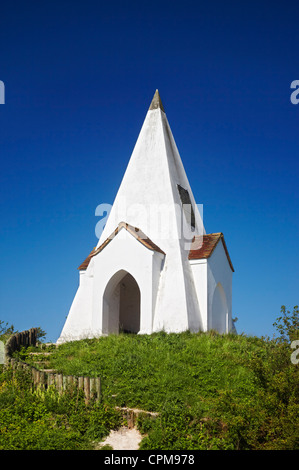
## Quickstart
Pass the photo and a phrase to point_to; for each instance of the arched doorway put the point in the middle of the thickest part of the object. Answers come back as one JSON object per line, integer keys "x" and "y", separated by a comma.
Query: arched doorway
{"x": 121, "y": 304}
{"x": 219, "y": 310}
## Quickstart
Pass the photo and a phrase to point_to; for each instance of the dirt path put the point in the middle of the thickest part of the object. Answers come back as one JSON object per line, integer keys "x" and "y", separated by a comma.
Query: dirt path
{"x": 127, "y": 437}
{"x": 123, "y": 439}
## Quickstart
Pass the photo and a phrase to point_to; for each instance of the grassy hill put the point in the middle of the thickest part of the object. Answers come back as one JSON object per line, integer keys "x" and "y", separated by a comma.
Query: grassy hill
{"x": 211, "y": 391}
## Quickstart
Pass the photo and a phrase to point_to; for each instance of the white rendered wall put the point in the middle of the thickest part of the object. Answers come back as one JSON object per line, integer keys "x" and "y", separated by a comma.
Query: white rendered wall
{"x": 78, "y": 324}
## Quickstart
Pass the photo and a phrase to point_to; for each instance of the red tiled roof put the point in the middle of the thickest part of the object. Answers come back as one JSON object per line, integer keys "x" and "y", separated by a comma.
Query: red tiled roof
{"x": 86, "y": 262}
{"x": 136, "y": 232}
{"x": 203, "y": 247}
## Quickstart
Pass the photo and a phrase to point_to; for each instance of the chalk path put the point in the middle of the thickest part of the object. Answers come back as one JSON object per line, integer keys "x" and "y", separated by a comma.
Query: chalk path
{"x": 123, "y": 439}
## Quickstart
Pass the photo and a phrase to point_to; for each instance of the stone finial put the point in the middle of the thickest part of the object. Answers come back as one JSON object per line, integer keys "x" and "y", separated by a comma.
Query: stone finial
{"x": 156, "y": 102}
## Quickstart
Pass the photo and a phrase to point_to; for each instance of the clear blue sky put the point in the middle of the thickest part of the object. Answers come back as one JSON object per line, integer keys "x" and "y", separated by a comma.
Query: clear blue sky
{"x": 79, "y": 77}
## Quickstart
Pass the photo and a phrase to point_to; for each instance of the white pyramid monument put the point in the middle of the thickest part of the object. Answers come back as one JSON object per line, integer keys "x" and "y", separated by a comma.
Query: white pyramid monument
{"x": 154, "y": 267}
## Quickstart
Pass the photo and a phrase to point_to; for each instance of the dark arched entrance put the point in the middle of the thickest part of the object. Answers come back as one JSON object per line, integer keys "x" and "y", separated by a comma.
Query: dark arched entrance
{"x": 121, "y": 304}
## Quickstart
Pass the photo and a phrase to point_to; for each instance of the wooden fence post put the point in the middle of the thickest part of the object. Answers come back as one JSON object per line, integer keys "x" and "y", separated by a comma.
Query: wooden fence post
{"x": 92, "y": 387}
{"x": 59, "y": 382}
{"x": 70, "y": 380}
{"x": 87, "y": 389}
{"x": 42, "y": 380}
{"x": 36, "y": 377}
{"x": 81, "y": 382}
{"x": 50, "y": 379}
{"x": 20, "y": 339}
{"x": 98, "y": 388}
{"x": 64, "y": 382}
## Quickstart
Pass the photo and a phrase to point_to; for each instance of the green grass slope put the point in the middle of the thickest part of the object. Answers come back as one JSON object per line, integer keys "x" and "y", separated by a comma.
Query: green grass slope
{"x": 211, "y": 391}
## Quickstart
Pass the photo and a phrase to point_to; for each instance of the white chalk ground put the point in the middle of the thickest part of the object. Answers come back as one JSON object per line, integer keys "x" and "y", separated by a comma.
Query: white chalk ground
{"x": 123, "y": 439}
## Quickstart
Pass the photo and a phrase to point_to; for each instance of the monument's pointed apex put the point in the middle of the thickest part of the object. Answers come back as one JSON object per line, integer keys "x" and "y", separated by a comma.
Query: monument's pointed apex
{"x": 156, "y": 102}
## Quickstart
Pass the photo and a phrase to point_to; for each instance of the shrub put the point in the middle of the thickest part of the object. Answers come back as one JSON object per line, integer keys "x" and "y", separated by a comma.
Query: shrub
{"x": 46, "y": 420}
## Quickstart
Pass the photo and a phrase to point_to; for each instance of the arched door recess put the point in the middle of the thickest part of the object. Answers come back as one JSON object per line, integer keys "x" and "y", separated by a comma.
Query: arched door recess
{"x": 219, "y": 310}
{"x": 121, "y": 304}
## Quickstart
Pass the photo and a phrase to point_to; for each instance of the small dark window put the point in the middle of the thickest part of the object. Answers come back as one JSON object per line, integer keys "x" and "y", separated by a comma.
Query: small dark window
{"x": 187, "y": 206}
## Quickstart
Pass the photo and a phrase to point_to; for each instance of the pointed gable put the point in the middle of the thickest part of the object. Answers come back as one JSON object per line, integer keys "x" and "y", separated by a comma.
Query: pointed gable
{"x": 134, "y": 231}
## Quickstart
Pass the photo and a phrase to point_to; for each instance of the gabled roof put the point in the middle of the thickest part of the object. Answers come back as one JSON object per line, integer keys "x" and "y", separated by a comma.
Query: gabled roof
{"x": 203, "y": 247}
{"x": 136, "y": 232}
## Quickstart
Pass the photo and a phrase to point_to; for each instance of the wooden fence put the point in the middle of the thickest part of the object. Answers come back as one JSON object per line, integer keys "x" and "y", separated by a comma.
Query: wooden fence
{"x": 18, "y": 340}
{"x": 43, "y": 379}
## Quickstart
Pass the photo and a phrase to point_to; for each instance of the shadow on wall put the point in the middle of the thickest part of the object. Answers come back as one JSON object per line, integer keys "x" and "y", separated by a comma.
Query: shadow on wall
{"x": 219, "y": 310}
